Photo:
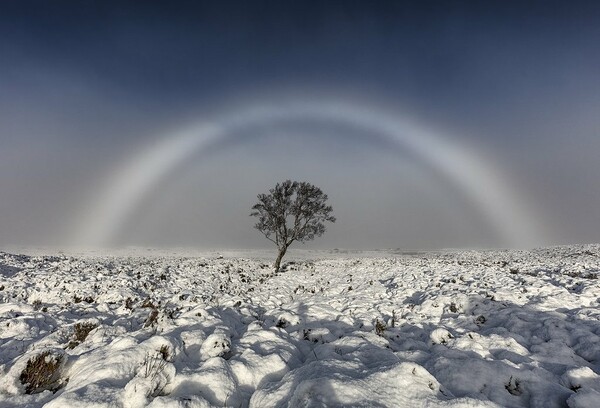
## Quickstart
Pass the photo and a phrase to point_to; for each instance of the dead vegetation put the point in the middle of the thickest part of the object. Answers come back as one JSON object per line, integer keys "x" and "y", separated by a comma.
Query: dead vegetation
{"x": 380, "y": 327}
{"x": 42, "y": 373}
{"x": 80, "y": 333}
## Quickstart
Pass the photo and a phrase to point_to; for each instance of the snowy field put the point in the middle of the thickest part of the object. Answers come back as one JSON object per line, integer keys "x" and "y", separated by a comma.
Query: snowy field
{"x": 380, "y": 329}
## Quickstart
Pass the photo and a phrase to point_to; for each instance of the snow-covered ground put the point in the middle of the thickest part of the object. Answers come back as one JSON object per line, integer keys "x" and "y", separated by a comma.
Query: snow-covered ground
{"x": 458, "y": 329}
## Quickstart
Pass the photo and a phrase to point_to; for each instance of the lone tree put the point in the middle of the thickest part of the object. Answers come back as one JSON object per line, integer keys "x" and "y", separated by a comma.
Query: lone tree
{"x": 292, "y": 211}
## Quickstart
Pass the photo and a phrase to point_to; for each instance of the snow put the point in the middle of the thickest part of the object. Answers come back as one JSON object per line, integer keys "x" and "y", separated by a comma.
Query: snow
{"x": 383, "y": 328}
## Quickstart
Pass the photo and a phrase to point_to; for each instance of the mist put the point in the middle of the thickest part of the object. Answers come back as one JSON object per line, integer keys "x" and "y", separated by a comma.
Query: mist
{"x": 492, "y": 110}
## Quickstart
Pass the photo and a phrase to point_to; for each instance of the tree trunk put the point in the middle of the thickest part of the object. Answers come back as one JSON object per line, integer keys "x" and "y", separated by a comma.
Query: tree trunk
{"x": 279, "y": 258}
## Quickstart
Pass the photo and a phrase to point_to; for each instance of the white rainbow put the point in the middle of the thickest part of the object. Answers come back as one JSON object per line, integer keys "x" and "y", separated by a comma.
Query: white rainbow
{"x": 473, "y": 175}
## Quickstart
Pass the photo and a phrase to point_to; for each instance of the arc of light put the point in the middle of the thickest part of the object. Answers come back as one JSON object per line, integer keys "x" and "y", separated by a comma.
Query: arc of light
{"x": 477, "y": 180}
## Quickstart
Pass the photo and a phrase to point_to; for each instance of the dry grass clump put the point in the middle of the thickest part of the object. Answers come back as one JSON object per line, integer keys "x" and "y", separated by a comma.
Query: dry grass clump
{"x": 152, "y": 318}
{"x": 41, "y": 373}
{"x": 164, "y": 352}
{"x": 153, "y": 367}
{"x": 148, "y": 304}
{"x": 380, "y": 327}
{"x": 80, "y": 333}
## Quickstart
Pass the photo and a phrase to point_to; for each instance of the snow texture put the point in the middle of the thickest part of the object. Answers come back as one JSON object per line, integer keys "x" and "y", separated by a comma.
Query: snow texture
{"x": 380, "y": 329}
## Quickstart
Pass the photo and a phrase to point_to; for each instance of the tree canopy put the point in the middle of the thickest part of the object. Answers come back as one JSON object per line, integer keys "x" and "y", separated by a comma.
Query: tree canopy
{"x": 292, "y": 211}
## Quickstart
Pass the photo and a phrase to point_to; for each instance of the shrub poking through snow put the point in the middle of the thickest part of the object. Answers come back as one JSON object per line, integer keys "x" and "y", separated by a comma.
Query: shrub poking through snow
{"x": 154, "y": 363}
{"x": 152, "y": 380}
{"x": 37, "y": 304}
{"x": 148, "y": 303}
{"x": 129, "y": 303}
{"x": 152, "y": 318}
{"x": 164, "y": 352}
{"x": 513, "y": 386}
{"x": 80, "y": 333}
{"x": 216, "y": 345}
{"x": 42, "y": 372}
{"x": 380, "y": 328}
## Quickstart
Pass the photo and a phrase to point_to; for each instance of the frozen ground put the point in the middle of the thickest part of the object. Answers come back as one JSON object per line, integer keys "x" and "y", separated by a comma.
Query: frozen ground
{"x": 457, "y": 329}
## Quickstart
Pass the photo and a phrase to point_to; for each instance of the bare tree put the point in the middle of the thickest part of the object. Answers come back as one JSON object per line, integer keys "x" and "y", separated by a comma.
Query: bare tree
{"x": 292, "y": 211}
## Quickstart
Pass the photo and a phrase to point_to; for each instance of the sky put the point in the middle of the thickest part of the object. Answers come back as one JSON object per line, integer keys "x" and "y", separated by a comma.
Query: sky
{"x": 428, "y": 124}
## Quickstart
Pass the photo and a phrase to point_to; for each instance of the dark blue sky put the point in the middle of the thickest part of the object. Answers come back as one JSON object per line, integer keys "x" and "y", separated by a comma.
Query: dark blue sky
{"x": 464, "y": 57}
{"x": 84, "y": 84}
